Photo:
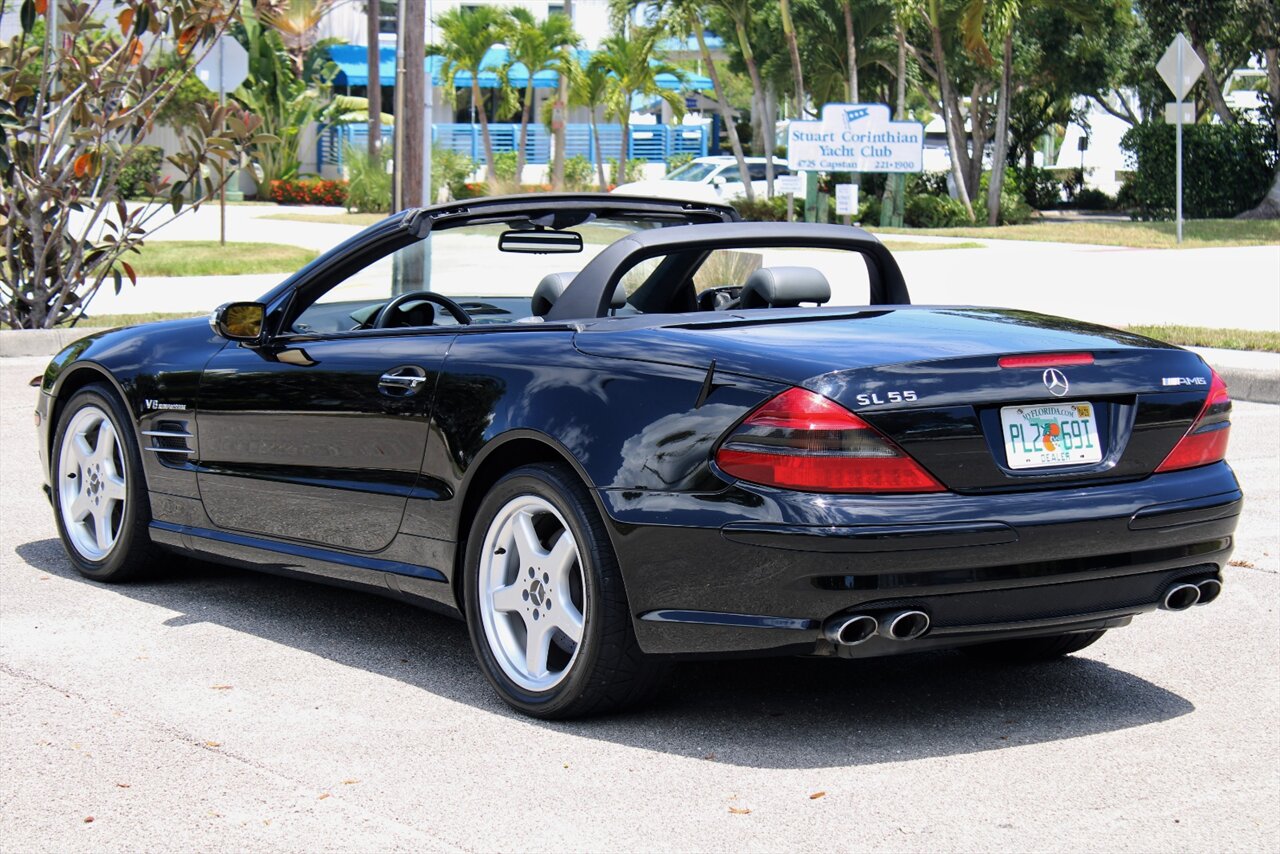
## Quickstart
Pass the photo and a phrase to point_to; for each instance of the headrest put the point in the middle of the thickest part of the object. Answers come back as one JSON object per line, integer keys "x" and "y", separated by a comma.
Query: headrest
{"x": 785, "y": 287}
{"x": 548, "y": 291}
{"x": 554, "y": 284}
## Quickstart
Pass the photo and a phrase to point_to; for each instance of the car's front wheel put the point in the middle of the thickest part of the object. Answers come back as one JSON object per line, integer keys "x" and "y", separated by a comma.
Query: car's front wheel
{"x": 99, "y": 497}
{"x": 545, "y": 603}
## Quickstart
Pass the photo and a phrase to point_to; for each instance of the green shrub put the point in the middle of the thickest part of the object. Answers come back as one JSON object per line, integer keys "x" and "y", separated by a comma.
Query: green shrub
{"x": 1014, "y": 209}
{"x": 765, "y": 210}
{"x": 928, "y": 184}
{"x": 632, "y": 172}
{"x": 934, "y": 212}
{"x": 142, "y": 170}
{"x": 469, "y": 190}
{"x": 1091, "y": 199}
{"x": 675, "y": 161}
{"x": 1041, "y": 188}
{"x": 504, "y": 166}
{"x": 449, "y": 169}
{"x": 579, "y": 172}
{"x": 1227, "y": 169}
{"x": 368, "y": 182}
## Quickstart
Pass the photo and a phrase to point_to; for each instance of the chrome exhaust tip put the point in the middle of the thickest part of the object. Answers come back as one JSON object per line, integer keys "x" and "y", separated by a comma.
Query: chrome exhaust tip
{"x": 1209, "y": 590}
{"x": 1180, "y": 597}
{"x": 906, "y": 625}
{"x": 850, "y": 630}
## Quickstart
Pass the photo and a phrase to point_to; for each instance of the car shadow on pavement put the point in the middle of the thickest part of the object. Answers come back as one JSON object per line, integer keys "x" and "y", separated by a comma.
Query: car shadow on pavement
{"x": 770, "y": 713}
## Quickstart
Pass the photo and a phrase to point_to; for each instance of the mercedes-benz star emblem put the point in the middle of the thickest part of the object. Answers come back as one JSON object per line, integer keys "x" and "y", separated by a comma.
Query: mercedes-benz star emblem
{"x": 1056, "y": 382}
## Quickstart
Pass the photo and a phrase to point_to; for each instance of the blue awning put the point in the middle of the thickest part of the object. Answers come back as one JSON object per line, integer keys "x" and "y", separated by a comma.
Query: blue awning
{"x": 353, "y": 70}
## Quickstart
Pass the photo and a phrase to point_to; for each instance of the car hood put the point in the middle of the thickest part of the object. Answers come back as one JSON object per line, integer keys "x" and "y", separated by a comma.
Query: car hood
{"x": 793, "y": 346}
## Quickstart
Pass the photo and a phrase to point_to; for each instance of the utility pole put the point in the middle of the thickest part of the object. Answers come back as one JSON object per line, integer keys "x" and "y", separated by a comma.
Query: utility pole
{"x": 412, "y": 163}
{"x": 373, "y": 58}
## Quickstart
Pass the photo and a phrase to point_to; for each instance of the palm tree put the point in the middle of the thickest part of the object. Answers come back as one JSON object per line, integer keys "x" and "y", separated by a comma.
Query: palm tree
{"x": 297, "y": 21}
{"x": 468, "y": 33}
{"x": 789, "y": 30}
{"x": 739, "y": 11}
{"x": 591, "y": 91}
{"x": 633, "y": 70}
{"x": 550, "y": 44}
{"x": 373, "y": 8}
{"x": 682, "y": 17}
{"x": 952, "y": 117}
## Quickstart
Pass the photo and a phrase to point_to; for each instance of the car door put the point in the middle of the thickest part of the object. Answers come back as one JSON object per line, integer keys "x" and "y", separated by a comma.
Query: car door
{"x": 760, "y": 178}
{"x": 319, "y": 435}
{"x": 728, "y": 182}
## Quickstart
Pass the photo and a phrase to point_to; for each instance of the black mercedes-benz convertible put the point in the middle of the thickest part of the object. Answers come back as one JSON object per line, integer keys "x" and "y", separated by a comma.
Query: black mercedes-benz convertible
{"x": 612, "y": 432}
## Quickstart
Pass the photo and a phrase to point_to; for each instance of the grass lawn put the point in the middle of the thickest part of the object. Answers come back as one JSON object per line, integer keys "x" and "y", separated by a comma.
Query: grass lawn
{"x": 922, "y": 246}
{"x": 209, "y": 258}
{"x": 1202, "y": 336}
{"x": 1144, "y": 235}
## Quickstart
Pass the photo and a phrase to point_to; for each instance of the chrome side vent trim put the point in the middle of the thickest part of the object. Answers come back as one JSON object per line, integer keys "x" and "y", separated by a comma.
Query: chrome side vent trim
{"x": 170, "y": 441}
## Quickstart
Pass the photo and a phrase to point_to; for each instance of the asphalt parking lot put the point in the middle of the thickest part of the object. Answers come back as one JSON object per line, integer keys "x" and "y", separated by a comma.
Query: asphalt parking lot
{"x": 217, "y": 709}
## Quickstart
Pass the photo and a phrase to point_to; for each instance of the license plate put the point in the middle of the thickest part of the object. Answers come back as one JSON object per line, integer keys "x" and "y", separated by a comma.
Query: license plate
{"x": 1050, "y": 434}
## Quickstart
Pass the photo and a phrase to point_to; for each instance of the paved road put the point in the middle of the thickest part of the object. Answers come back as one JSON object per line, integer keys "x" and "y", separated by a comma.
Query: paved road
{"x": 1225, "y": 287}
{"x": 216, "y": 709}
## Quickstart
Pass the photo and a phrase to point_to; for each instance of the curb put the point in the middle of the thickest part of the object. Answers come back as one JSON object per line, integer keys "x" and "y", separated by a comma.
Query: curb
{"x": 41, "y": 342}
{"x": 1257, "y": 385}
{"x": 1251, "y": 384}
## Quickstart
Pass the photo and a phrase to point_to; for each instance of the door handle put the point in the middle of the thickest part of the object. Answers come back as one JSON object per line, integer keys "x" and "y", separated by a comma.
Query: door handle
{"x": 402, "y": 381}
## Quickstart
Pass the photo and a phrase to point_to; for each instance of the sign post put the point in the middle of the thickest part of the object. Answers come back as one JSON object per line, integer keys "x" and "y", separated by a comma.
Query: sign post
{"x": 223, "y": 68}
{"x": 1180, "y": 68}
{"x": 789, "y": 185}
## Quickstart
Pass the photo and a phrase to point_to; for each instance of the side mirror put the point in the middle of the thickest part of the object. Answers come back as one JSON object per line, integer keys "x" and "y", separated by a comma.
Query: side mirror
{"x": 239, "y": 321}
{"x": 718, "y": 181}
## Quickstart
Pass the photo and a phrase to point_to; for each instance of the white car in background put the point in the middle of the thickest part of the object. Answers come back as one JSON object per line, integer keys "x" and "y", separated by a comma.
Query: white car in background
{"x": 707, "y": 179}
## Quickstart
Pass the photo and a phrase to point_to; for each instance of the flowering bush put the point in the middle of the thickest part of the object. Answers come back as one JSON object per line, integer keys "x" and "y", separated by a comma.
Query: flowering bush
{"x": 309, "y": 191}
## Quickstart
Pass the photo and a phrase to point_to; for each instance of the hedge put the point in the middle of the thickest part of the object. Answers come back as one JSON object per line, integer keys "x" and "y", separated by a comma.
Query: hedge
{"x": 309, "y": 191}
{"x": 1227, "y": 169}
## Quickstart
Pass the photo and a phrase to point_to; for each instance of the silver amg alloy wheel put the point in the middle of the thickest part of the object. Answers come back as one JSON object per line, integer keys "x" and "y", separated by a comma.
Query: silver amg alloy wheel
{"x": 92, "y": 483}
{"x": 532, "y": 595}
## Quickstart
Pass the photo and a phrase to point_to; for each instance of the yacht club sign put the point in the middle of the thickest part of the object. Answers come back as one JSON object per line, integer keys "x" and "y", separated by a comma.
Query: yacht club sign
{"x": 856, "y": 138}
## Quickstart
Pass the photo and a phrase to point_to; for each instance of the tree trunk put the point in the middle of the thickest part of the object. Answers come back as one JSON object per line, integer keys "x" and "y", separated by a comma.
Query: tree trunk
{"x": 723, "y": 108}
{"x": 411, "y": 161}
{"x": 770, "y": 126}
{"x": 489, "y": 175}
{"x": 851, "y": 46}
{"x": 1002, "y": 133}
{"x": 1273, "y": 86}
{"x": 559, "y": 115}
{"x": 595, "y": 134}
{"x": 951, "y": 105}
{"x": 758, "y": 106}
{"x": 521, "y": 156}
{"x": 789, "y": 30}
{"x": 1212, "y": 88}
{"x": 624, "y": 149}
{"x": 977, "y": 141}
{"x": 375, "y": 82}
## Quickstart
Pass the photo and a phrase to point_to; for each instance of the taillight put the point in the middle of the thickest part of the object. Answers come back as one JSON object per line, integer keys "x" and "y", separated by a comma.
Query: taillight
{"x": 803, "y": 441}
{"x": 1206, "y": 441}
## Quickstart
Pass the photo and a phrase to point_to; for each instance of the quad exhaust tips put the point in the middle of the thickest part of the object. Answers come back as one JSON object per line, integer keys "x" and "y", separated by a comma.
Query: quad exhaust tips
{"x": 1180, "y": 597}
{"x": 1209, "y": 590}
{"x": 905, "y": 625}
{"x": 851, "y": 630}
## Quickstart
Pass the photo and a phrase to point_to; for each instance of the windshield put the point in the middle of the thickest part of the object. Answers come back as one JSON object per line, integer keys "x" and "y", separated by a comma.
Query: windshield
{"x": 692, "y": 171}
{"x": 465, "y": 266}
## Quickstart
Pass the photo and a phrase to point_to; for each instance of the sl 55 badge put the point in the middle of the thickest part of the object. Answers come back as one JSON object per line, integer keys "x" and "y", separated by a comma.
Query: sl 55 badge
{"x": 874, "y": 399}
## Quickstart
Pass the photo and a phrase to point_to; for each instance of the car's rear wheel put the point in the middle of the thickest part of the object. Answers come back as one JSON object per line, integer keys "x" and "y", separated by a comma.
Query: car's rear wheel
{"x": 545, "y": 603}
{"x": 100, "y": 499}
{"x": 1030, "y": 650}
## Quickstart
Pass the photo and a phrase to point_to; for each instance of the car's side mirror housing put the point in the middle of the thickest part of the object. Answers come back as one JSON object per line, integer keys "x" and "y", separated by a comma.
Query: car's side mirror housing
{"x": 718, "y": 181}
{"x": 240, "y": 321}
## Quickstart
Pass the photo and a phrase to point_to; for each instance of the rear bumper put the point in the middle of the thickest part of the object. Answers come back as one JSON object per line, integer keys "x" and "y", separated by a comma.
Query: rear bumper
{"x": 753, "y": 570}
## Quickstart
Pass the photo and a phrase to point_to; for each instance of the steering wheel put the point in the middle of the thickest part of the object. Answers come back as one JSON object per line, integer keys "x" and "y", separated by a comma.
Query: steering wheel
{"x": 389, "y": 311}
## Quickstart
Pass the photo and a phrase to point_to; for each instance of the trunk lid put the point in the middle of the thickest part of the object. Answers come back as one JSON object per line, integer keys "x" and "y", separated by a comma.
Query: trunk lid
{"x": 930, "y": 379}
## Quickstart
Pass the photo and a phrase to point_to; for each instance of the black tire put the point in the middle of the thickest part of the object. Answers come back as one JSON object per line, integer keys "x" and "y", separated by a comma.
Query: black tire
{"x": 133, "y": 553}
{"x": 609, "y": 671}
{"x": 1031, "y": 650}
